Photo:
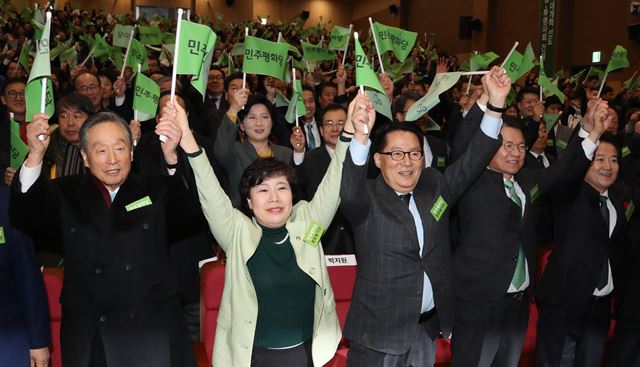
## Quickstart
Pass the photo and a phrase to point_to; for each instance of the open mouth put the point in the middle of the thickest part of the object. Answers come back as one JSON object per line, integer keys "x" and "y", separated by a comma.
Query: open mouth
{"x": 275, "y": 210}
{"x": 405, "y": 173}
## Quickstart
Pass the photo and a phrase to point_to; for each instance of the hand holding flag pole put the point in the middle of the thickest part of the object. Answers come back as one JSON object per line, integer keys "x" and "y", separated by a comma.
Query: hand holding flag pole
{"x": 375, "y": 41}
{"x": 163, "y": 138}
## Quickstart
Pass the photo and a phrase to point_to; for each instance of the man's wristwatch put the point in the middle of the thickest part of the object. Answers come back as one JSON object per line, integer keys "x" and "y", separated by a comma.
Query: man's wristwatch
{"x": 493, "y": 108}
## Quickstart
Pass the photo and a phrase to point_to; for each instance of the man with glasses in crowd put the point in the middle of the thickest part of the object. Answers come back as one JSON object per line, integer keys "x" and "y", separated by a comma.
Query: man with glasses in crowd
{"x": 13, "y": 102}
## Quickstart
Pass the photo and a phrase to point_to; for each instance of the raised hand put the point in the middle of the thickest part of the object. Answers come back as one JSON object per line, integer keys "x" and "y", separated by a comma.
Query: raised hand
{"x": 238, "y": 100}
{"x": 119, "y": 87}
{"x": 297, "y": 140}
{"x": 35, "y": 129}
{"x": 442, "y": 66}
{"x": 593, "y": 105}
{"x": 538, "y": 111}
{"x": 187, "y": 142}
{"x": 497, "y": 84}
{"x": 341, "y": 74}
{"x": 136, "y": 132}
{"x": 361, "y": 113}
{"x": 168, "y": 126}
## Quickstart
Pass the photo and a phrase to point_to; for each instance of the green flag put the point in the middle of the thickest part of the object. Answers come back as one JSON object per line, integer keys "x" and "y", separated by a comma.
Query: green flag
{"x": 168, "y": 38}
{"x": 482, "y": 61}
{"x": 381, "y": 103}
{"x": 575, "y": 77}
{"x": 364, "y": 73}
{"x": 618, "y": 60}
{"x": 69, "y": 56}
{"x": 512, "y": 65}
{"x": 38, "y": 22}
{"x": 264, "y": 57}
{"x": 291, "y": 113}
{"x": 339, "y": 38}
{"x": 166, "y": 55}
{"x": 627, "y": 83}
{"x": 238, "y": 49}
{"x": 547, "y": 86}
{"x": 100, "y": 47}
{"x": 150, "y": 35}
{"x": 146, "y": 97}
{"x": 441, "y": 83}
{"x": 316, "y": 53}
{"x": 121, "y": 34}
{"x": 42, "y": 62}
{"x": 397, "y": 40}
{"x": 292, "y": 48}
{"x": 195, "y": 53}
{"x": 137, "y": 55}
{"x": 528, "y": 62}
{"x": 23, "y": 59}
{"x": 281, "y": 101}
{"x": 597, "y": 72}
{"x": 33, "y": 94}
{"x": 550, "y": 120}
{"x": 19, "y": 149}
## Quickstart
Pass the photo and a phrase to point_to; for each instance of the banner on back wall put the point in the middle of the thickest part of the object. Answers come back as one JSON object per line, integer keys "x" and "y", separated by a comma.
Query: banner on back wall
{"x": 547, "y": 32}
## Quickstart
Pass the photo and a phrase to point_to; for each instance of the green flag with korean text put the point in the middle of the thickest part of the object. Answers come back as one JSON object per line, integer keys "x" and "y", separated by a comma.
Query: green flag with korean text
{"x": 397, "y": 40}
{"x": 137, "y": 55}
{"x": 528, "y": 62}
{"x": 512, "y": 65}
{"x": 264, "y": 57}
{"x": 19, "y": 149}
{"x": 150, "y": 35}
{"x": 296, "y": 101}
{"x": 195, "y": 53}
{"x": 339, "y": 38}
{"x": 313, "y": 52}
{"x": 121, "y": 34}
{"x": 364, "y": 73}
{"x": 441, "y": 83}
{"x": 238, "y": 49}
{"x": 33, "y": 98}
{"x": 381, "y": 103}
{"x": 618, "y": 59}
{"x": 100, "y": 48}
{"x": 40, "y": 70}
{"x": 145, "y": 99}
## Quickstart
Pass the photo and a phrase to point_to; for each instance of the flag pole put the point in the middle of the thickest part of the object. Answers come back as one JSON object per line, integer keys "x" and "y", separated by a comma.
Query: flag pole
{"x": 293, "y": 77}
{"x": 603, "y": 82}
{"x": 174, "y": 72}
{"x": 365, "y": 128}
{"x": 542, "y": 70}
{"x": 279, "y": 36}
{"x": 633, "y": 76}
{"x": 509, "y": 54}
{"x": 87, "y": 58}
{"x": 135, "y": 112}
{"x": 244, "y": 75}
{"x": 346, "y": 46}
{"x": 483, "y": 72}
{"x": 126, "y": 53}
{"x": 375, "y": 41}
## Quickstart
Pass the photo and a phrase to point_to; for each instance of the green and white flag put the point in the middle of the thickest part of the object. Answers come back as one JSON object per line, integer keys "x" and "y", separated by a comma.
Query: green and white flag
{"x": 397, "y": 40}
{"x": 146, "y": 97}
{"x": 441, "y": 83}
{"x": 195, "y": 53}
{"x": 313, "y": 52}
{"x": 482, "y": 61}
{"x": 265, "y": 57}
{"x": 618, "y": 60}
{"x": 365, "y": 75}
{"x": 41, "y": 69}
{"x": 150, "y": 35}
{"x": 550, "y": 120}
{"x": 121, "y": 34}
{"x": 528, "y": 61}
{"x": 100, "y": 47}
{"x": 166, "y": 55}
{"x": 381, "y": 103}
{"x": 547, "y": 86}
{"x": 512, "y": 65}
{"x": 19, "y": 149}
{"x": 69, "y": 56}
{"x": 238, "y": 49}
{"x": 33, "y": 98}
{"x": 137, "y": 55}
{"x": 23, "y": 59}
{"x": 291, "y": 113}
{"x": 339, "y": 38}
{"x": 281, "y": 101}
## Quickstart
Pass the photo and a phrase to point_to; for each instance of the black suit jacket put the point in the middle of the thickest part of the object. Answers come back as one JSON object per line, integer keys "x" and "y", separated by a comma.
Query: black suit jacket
{"x": 387, "y": 297}
{"x": 338, "y": 238}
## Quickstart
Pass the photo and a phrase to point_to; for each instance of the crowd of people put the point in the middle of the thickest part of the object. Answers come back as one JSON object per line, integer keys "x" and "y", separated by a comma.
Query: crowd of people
{"x": 446, "y": 215}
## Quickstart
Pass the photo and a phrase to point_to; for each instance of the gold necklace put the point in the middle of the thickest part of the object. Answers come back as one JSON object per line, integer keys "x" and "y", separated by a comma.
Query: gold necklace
{"x": 266, "y": 154}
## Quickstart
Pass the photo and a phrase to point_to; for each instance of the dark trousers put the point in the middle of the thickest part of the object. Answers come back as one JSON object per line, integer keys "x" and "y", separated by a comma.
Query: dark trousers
{"x": 292, "y": 357}
{"x": 490, "y": 335}
{"x": 626, "y": 345}
{"x": 422, "y": 351}
{"x": 572, "y": 338}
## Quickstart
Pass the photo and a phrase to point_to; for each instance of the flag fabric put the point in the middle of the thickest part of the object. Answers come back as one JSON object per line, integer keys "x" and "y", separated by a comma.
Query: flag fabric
{"x": 550, "y": 120}
{"x": 195, "y": 53}
{"x": 238, "y": 49}
{"x": 23, "y": 59}
{"x": 528, "y": 62}
{"x": 547, "y": 86}
{"x": 512, "y": 65}
{"x": 150, "y": 35}
{"x": 618, "y": 59}
{"x": 397, "y": 40}
{"x": 281, "y": 100}
{"x": 166, "y": 55}
{"x": 19, "y": 149}
{"x": 146, "y": 97}
{"x": 33, "y": 98}
{"x": 121, "y": 34}
{"x": 264, "y": 57}
{"x": 575, "y": 77}
{"x": 381, "y": 103}
{"x": 70, "y": 56}
{"x": 627, "y": 83}
{"x": 137, "y": 55}
{"x": 168, "y": 38}
{"x": 100, "y": 47}
{"x": 635, "y": 85}
{"x": 597, "y": 72}
{"x": 339, "y": 38}
{"x": 291, "y": 113}
{"x": 313, "y": 52}
{"x": 482, "y": 61}
{"x": 441, "y": 83}
{"x": 364, "y": 73}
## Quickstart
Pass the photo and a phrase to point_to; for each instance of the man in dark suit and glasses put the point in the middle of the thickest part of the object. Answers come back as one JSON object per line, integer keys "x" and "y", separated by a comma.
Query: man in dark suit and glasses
{"x": 403, "y": 295}
{"x": 497, "y": 253}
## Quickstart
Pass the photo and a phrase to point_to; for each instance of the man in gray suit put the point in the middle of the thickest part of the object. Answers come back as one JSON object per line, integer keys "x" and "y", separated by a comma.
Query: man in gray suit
{"x": 403, "y": 295}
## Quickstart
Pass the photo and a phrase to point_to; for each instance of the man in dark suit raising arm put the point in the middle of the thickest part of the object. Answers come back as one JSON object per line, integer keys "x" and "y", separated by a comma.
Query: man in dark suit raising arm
{"x": 403, "y": 295}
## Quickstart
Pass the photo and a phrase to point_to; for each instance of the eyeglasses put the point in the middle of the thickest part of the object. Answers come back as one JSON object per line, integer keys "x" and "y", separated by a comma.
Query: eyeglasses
{"x": 509, "y": 146}
{"x": 87, "y": 88}
{"x": 216, "y": 77}
{"x": 398, "y": 155}
{"x": 13, "y": 94}
{"x": 331, "y": 123}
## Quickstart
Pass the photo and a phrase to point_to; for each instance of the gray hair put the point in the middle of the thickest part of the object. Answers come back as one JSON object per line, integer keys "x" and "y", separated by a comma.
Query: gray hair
{"x": 100, "y": 118}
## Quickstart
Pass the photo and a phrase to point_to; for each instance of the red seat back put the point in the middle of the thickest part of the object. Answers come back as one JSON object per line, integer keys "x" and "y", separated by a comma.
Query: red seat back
{"x": 211, "y": 286}
{"x": 53, "y": 285}
{"x": 343, "y": 279}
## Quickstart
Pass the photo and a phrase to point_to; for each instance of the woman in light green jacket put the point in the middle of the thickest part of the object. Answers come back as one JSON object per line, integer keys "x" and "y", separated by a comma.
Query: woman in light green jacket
{"x": 277, "y": 305}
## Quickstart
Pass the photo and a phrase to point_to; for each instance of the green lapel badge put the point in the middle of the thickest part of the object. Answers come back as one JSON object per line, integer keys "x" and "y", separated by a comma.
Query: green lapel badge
{"x": 145, "y": 201}
{"x": 2, "y": 239}
{"x": 550, "y": 142}
{"x": 534, "y": 193}
{"x": 625, "y": 151}
{"x": 438, "y": 208}
{"x": 627, "y": 213}
{"x": 440, "y": 162}
{"x": 314, "y": 233}
{"x": 562, "y": 144}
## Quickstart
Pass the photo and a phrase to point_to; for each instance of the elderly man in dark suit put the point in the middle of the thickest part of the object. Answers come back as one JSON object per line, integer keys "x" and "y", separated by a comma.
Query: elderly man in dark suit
{"x": 24, "y": 315}
{"x": 120, "y": 304}
{"x": 497, "y": 253}
{"x": 403, "y": 295}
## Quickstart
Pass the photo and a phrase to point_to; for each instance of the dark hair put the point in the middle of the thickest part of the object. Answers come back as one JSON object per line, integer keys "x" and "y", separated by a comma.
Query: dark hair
{"x": 328, "y": 85}
{"x": 218, "y": 68}
{"x": 526, "y": 90}
{"x": 401, "y": 102}
{"x": 551, "y": 100}
{"x": 308, "y": 88}
{"x": 260, "y": 170}
{"x": 187, "y": 105}
{"x": 608, "y": 137}
{"x": 101, "y": 118}
{"x": 380, "y": 140}
{"x": 75, "y": 101}
{"x": 237, "y": 75}
{"x": 12, "y": 81}
{"x": 253, "y": 100}
{"x": 331, "y": 107}
{"x": 81, "y": 74}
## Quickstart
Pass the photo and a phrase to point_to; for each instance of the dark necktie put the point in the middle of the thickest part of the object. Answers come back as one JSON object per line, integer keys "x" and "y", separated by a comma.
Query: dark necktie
{"x": 519, "y": 275}
{"x": 405, "y": 198}
{"x": 541, "y": 160}
{"x": 604, "y": 275}
{"x": 310, "y": 138}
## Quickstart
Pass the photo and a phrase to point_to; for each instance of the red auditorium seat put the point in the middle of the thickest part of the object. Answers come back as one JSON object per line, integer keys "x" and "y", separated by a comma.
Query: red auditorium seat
{"x": 343, "y": 279}
{"x": 211, "y": 287}
{"x": 53, "y": 285}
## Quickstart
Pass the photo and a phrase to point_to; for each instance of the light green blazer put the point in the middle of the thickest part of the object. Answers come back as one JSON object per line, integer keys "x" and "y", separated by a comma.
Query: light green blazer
{"x": 239, "y": 236}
